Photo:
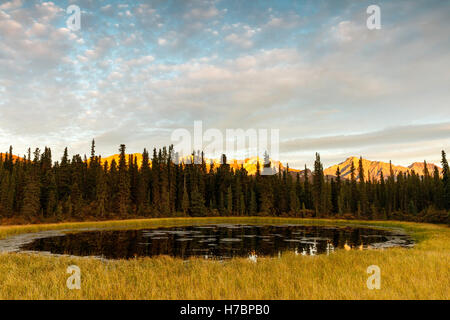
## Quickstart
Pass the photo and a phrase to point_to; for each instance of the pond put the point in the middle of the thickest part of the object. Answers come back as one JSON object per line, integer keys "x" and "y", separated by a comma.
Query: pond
{"x": 215, "y": 241}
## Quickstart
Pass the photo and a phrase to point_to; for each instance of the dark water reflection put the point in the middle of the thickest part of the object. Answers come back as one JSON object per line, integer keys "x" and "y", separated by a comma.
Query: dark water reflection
{"x": 214, "y": 241}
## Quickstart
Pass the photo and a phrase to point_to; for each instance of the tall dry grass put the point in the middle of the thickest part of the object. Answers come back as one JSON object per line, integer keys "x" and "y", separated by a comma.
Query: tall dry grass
{"x": 419, "y": 273}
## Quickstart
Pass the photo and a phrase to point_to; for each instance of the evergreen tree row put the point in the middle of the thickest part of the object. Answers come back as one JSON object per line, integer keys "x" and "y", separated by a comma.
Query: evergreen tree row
{"x": 34, "y": 188}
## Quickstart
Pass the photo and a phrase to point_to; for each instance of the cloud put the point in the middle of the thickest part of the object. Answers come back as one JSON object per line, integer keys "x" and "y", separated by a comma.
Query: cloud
{"x": 162, "y": 41}
{"x": 344, "y": 31}
{"x": 10, "y": 5}
{"x": 38, "y": 30}
{"x": 389, "y": 136}
{"x": 135, "y": 72}
{"x": 244, "y": 37}
{"x": 10, "y": 27}
{"x": 290, "y": 20}
{"x": 202, "y": 13}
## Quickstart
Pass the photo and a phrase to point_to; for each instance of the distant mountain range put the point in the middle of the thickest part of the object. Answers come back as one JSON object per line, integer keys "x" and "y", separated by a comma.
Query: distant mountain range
{"x": 3, "y": 156}
{"x": 249, "y": 164}
{"x": 372, "y": 169}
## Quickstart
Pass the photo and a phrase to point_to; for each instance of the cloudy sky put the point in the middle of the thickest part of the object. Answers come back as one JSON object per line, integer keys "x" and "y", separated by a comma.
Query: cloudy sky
{"x": 137, "y": 70}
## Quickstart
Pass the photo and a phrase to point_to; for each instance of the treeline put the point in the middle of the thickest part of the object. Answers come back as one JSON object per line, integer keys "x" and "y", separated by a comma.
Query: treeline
{"x": 35, "y": 189}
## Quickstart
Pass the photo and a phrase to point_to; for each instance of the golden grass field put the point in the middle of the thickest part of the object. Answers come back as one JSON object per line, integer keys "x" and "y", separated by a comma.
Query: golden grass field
{"x": 419, "y": 273}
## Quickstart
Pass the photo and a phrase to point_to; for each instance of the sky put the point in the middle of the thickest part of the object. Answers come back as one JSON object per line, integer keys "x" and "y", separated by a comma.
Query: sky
{"x": 138, "y": 70}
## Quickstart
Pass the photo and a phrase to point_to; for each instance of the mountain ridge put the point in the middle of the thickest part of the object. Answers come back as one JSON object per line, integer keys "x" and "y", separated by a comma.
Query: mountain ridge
{"x": 372, "y": 168}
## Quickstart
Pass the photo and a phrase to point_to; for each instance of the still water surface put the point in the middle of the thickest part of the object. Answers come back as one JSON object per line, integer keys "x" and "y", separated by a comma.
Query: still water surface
{"x": 218, "y": 241}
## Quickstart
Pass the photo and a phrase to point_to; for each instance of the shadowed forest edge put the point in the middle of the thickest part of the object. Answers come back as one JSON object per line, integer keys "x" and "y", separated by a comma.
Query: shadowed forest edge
{"x": 34, "y": 189}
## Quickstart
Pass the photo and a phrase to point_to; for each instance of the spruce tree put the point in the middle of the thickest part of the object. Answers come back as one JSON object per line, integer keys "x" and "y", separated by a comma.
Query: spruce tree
{"x": 31, "y": 201}
{"x": 354, "y": 190}
{"x": 253, "y": 207}
{"x": 307, "y": 190}
{"x": 101, "y": 194}
{"x": 318, "y": 187}
{"x": 445, "y": 181}
{"x": 123, "y": 196}
{"x": 36, "y": 188}
{"x": 197, "y": 204}
{"x": 362, "y": 189}
{"x": 185, "y": 204}
{"x": 143, "y": 181}
{"x": 294, "y": 203}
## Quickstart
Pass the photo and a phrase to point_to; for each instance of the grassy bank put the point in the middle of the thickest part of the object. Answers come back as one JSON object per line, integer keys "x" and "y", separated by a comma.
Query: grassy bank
{"x": 419, "y": 273}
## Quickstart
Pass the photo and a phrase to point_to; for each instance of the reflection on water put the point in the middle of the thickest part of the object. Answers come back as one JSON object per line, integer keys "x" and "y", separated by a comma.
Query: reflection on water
{"x": 214, "y": 241}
